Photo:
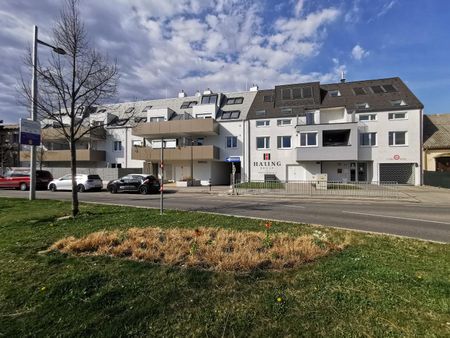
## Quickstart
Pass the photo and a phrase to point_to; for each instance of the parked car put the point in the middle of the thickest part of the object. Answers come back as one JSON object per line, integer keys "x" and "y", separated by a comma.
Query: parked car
{"x": 84, "y": 183}
{"x": 20, "y": 179}
{"x": 141, "y": 183}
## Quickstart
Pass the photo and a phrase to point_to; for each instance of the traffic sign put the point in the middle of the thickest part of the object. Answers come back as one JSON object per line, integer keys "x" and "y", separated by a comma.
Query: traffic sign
{"x": 233, "y": 159}
{"x": 30, "y": 132}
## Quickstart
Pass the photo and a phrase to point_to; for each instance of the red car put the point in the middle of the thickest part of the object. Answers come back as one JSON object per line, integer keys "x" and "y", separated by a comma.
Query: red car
{"x": 21, "y": 180}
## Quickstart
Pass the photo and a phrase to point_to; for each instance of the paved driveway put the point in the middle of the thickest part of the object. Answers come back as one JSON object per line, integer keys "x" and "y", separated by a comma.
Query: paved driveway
{"x": 419, "y": 220}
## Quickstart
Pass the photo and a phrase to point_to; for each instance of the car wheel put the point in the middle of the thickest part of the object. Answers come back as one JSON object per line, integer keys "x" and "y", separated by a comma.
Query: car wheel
{"x": 143, "y": 190}
{"x": 23, "y": 186}
{"x": 112, "y": 189}
{"x": 53, "y": 187}
{"x": 81, "y": 188}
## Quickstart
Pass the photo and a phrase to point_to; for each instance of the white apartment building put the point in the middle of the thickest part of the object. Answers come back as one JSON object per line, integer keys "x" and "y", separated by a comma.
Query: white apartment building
{"x": 365, "y": 131}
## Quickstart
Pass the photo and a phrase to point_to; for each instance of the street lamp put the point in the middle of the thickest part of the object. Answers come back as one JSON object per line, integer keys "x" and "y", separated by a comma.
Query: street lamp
{"x": 33, "y": 104}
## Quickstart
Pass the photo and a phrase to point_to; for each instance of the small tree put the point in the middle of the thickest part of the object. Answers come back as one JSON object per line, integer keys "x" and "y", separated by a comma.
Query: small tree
{"x": 70, "y": 85}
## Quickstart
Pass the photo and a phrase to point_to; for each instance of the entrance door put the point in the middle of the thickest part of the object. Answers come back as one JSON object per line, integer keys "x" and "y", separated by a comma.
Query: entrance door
{"x": 362, "y": 172}
{"x": 352, "y": 172}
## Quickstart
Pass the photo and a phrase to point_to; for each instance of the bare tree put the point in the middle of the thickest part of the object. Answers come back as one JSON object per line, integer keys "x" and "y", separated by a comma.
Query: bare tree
{"x": 71, "y": 85}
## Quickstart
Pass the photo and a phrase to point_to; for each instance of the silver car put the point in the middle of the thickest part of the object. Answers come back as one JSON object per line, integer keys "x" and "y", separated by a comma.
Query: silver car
{"x": 84, "y": 183}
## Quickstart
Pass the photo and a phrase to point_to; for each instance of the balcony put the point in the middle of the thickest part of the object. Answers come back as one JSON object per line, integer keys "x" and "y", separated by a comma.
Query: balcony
{"x": 197, "y": 153}
{"x": 50, "y": 134}
{"x": 335, "y": 142}
{"x": 64, "y": 155}
{"x": 192, "y": 127}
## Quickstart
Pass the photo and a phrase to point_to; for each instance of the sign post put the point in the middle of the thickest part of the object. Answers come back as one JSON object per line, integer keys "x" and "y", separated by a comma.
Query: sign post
{"x": 30, "y": 134}
{"x": 161, "y": 201}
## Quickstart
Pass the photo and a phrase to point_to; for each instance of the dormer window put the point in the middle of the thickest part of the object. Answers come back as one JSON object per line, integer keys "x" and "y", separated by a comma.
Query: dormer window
{"x": 286, "y": 111}
{"x": 101, "y": 111}
{"x": 260, "y": 113}
{"x": 146, "y": 109}
{"x": 377, "y": 89}
{"x": 306, "y": 92}
{"x": 209, "y": 99}
{"x": 129, "y": 110}
{"x": 230, "y": 115}
{"x": 235, "y": 100}
{"x": 188, "y": 104}
{"x": 140, "y": 119}
{"x": 363, "y": 105}
{"x": 359, "y": 91}
{"x": 334, "y": 93}
{"x": 389, "y": 88}
{"x": 398, "y": 103}
{"x": 268, "y": 98}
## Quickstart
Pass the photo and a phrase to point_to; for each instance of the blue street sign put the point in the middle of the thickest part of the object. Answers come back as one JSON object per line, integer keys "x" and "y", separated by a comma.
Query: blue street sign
{"x": 233, "y": 159}
{"x": 30, "y": 132}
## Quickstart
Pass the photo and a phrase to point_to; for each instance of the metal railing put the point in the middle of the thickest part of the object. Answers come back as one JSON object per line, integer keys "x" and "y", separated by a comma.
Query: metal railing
{"x": 389, "y": 190}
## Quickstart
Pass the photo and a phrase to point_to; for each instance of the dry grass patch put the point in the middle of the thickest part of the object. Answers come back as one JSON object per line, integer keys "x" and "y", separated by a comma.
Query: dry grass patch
{"x": 206, "y": 248}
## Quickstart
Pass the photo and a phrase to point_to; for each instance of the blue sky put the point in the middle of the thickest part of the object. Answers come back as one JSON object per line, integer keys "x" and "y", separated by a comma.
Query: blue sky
{"x": 226, "y": 45}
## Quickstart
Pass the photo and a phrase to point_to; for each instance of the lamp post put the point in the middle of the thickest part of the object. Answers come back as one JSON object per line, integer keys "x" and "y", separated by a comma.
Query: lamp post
{"x": 33, "y": 104}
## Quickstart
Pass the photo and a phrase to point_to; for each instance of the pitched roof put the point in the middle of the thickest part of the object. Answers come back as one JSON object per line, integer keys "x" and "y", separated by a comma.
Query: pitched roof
{"x": 378, "y": 94}
{"x": 436, "y": 131}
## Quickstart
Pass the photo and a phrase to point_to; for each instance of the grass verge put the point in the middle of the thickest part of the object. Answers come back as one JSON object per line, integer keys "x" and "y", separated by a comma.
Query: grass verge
{"x": 378, "y": 286}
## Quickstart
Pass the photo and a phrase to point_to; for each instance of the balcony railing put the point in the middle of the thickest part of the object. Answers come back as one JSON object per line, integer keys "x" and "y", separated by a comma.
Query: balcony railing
{"x": 49, "y": 134}
{"x": 64, "y": 155}
{"x": 191, "y": 127}
{"x": 197, "y": 153}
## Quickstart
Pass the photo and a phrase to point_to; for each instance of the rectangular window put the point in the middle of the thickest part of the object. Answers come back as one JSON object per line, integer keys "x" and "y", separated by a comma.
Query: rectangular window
{"x": 200, "y": 141}
{"x": 297, "y": 93}
{"x": 284, "y": 142}
{"x": 308, "y": 139}
{"x": 284, "y": 122}
{"x": 286, "y": 94}
{"x": 146, "y": 109}
{"x": 307, "y": 92}
{"x": 234, "y": 100}
{"x": 268, "y": 98}
{"x": 334, "y": 93}
{"x": 228, "y": 115}
{"x": 157, "y": 119}
{"x": 204, "y": 116}
{"x": 359, "y": 91}
{"x": 260, "y": 113}
{"x": 389, "y": 88}
{"x": 398, "y": 103}
{"x": 286, "y": 111}
{"x": 309, "y": 118}
{"x": 397, "y": 116}
{"x": 209, "y": 99}
{"x": 397, "y": 138}
{"x": 368, "y": 139}
{"x": 262, "y": 123}
{"x": 377, "y": 89}
{"x": 117, "y": 145}
{"x": 263, "y": 142}
{"x": 368, "y": 117}
{"x": 231, "y": 141}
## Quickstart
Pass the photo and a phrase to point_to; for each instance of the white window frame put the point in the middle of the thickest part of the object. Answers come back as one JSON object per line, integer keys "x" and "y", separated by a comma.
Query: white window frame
{"x": 154, "y": 119}
{"x": 233, "y": 144}
{"x": 280, "y": 122}
{"x": 394, "y": 118}
{"x": 117, "y": 146}
{"x": 266, "y": 123}
{"x": 394, "y": 138}
{"x": 204, "y": 116}
{"x": 368, "y": 115}
{"x": 279, "y": 141}
{"x": 370, "y": 139}
{"x": 266, "y": 142}
{"x": 308, "y": 145}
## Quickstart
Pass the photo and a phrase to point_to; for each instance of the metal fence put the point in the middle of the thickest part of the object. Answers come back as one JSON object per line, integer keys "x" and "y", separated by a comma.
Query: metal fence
{"x": 388, "y": 190}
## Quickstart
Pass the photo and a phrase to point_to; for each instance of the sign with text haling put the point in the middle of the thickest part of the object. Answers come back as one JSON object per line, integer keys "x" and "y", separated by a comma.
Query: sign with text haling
{"x": 30, "y": 132}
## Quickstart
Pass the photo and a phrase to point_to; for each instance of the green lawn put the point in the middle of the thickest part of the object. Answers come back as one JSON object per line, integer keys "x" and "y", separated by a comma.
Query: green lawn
{"x": 378, "y": 286}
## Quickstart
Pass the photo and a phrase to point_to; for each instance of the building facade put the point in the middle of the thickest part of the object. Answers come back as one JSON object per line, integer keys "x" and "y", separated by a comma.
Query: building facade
{"x": 9, "y": 146}
{"x": 365, "y": 131}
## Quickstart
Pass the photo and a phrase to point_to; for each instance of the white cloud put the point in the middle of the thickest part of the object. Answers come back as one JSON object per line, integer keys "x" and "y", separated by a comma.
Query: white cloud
{"x": 386, "y": 8}
{"x": 298, "y": 7}
{"x": 358, "y": 53}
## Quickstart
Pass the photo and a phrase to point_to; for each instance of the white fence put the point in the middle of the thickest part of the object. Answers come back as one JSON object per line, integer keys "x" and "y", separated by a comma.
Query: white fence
{"x": 320, "y": 188}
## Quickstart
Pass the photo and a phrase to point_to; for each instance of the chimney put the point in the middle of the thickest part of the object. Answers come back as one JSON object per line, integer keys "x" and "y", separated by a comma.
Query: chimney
{"x": 207, "y": 92}
{"x": 254, "y": 88}
{"x": 342, "y": 77}
{"x": 182, "y": 94}
{"x": 198, "y": 94}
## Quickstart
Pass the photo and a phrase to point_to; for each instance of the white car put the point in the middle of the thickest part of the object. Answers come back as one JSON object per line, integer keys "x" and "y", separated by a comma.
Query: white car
{"x": 84, "y": 183}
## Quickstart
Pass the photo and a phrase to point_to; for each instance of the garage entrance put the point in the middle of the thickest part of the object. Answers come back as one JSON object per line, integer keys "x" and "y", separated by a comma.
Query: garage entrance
{"x": 402, "y": 173}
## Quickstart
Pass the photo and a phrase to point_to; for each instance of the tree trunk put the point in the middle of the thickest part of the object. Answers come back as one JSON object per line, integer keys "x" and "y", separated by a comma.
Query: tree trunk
{"x": 73, "y": 168}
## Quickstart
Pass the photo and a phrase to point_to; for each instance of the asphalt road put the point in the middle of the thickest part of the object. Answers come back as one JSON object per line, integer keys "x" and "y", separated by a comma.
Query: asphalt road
{"x": 417, "y": 220}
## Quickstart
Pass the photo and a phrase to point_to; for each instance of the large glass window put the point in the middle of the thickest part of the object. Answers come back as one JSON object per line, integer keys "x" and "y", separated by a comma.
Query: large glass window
{"x": 209, "y": 99}
{"x": 397, "y": 138}
{"x": 284, "y": 142}
{"x": 231, "y": 141}
{"x": 308, "y": 139}
{"x": 263, "y": 142}
{"x": 368, "y": 139}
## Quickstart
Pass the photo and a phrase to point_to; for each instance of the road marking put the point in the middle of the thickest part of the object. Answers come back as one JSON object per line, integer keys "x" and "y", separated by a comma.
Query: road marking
{"x": 396, "y": 217}
{"x": 293, "y": 206}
